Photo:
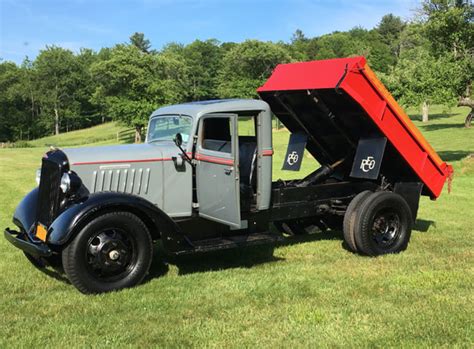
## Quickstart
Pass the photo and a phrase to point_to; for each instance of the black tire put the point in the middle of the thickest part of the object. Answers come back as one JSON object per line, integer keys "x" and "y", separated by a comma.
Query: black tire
{"x": 382, "y": 224}
{"x": 112, "y": 252}
{"x": 349, "y": 219}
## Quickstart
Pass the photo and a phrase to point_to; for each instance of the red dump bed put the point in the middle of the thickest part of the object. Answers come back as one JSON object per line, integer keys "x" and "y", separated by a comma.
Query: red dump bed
{"x": 360, "y": 106}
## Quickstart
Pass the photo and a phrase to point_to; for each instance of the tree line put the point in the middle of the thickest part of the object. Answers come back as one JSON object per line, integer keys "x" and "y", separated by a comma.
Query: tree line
{"x": 423, "y": 61}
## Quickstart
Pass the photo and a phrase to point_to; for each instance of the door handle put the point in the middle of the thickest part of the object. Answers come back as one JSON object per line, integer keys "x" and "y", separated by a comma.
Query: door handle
{"x": 228, "y": 171}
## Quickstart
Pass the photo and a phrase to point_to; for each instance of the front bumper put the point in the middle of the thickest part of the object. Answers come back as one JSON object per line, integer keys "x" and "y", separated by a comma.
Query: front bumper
{"x": 21, "y": 241}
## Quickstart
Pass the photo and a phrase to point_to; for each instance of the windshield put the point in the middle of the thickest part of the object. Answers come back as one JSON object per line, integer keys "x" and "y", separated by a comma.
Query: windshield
{"x": 165, "y": 127}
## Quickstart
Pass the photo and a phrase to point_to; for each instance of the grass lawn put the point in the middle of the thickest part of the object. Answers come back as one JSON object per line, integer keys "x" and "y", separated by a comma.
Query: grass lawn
{"x": 97, "y": 135}
{"x": 307, "y": 292}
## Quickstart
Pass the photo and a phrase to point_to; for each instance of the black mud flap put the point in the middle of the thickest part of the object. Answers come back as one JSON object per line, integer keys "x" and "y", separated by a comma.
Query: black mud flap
{"x": 295, "y": 152}
{"x": 368, "y": 158}
{"x": 411, "y": 192}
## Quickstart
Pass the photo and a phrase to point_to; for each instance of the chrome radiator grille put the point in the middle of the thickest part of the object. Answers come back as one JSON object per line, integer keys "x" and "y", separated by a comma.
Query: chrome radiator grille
{"x": 49, "y": 191}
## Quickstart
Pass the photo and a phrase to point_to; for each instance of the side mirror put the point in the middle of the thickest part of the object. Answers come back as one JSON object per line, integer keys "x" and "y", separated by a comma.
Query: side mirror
{"x": 178, "y": 140}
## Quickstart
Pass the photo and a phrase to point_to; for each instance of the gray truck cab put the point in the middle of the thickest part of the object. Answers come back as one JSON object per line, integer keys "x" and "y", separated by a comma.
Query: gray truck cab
{"x": 233, "y": 167}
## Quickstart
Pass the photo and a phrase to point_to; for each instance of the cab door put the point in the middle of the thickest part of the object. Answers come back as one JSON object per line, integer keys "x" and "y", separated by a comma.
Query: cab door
{"x": 217, "y": 169}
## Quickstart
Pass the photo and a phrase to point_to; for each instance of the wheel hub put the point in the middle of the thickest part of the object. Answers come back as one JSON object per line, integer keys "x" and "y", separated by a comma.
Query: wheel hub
{"x": 386, "y": 228}
{"x": 114, "y": 255}
{"x": 109, "y": 253}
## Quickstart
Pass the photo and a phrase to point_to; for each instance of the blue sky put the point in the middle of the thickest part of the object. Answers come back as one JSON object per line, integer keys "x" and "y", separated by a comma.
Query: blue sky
{"x": 26, "y": 26}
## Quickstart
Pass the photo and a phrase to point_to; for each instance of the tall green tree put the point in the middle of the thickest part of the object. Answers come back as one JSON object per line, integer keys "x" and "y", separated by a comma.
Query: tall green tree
{"x": 202, "y": 61}
{"x": 390, "y": 29}
{"x": 246, "y": 66}
{"x": 339, "y": 44}
{"x": 90, "y": 113}
{"x": 138, "y": 40}
{"x": 423, "y": 79}
{"x": 58, "y": 74}
{"x": 449, "y": 27}
{"x": 9, "y": 100}
{"x": 30, "y": 93}
{"x": 131, "y": 84}
{"x": 300, "y": 46}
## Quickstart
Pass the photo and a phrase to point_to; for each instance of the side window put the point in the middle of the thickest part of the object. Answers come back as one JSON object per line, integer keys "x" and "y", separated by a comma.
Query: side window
{"x": 216, "y": 135}
{"x": 247, "y": 126}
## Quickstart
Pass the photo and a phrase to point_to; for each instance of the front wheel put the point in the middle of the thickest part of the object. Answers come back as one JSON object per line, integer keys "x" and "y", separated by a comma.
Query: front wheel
{"x": 113, "y": 251}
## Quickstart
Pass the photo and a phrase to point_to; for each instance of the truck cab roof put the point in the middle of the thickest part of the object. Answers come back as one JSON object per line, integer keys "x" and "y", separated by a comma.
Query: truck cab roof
{"x": 197, "y": 109}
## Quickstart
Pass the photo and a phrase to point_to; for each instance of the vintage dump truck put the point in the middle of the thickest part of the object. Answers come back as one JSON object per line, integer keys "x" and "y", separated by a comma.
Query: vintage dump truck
{"x": 199, "y": 183}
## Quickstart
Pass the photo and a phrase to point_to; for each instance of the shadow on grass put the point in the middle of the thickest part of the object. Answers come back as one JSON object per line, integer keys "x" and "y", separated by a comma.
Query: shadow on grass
{"x": 323, "y": 235}
{"x": 437, "y": 116}
{"x": 435, "y": 127}
{"x": 244, "y": 257}
{"x": 423, "y": 225}
{"x": 317, "y": 236}
{"x": 158, "y": 266}
{"x": 54, "y": 271}
{"x": 453, "y": 155}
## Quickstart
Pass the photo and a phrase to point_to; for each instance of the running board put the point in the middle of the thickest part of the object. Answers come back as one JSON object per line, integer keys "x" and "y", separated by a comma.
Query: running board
{"x": 232, "y": 242}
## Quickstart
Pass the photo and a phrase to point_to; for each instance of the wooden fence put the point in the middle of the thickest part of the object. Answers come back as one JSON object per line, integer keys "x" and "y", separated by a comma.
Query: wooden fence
{"x": 128, "y": 135}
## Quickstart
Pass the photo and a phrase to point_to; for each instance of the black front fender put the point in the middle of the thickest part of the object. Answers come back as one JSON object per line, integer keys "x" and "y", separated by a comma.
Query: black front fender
{"x": 77, "y": 215}
{"x": 25, "y": 213}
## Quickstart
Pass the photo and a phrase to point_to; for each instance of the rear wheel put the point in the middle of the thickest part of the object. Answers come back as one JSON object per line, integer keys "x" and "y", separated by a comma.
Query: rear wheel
{"x": 382, "y": 224}
{"x": 111, "y": 252}
{"x": 349, "y": 219}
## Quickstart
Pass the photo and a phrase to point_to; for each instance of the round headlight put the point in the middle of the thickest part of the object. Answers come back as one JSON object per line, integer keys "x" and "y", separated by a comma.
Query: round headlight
{"x": 38, "y": 176}
{"x": 65, "y": 183}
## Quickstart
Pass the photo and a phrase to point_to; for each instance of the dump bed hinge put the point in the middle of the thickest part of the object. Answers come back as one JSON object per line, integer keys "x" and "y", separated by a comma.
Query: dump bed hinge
{"x": 338, "y": 91}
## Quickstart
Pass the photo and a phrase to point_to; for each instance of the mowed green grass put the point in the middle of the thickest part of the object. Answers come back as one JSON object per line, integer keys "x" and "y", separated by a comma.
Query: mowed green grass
{"x": 307, "y": 292}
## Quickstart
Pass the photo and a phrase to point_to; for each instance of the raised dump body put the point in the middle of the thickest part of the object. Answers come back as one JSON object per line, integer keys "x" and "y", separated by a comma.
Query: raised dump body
{"x": 338, "y": 102}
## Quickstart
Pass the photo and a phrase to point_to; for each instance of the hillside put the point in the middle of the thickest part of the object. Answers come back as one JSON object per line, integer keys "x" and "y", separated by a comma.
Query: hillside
{"x": 97, "y": 135}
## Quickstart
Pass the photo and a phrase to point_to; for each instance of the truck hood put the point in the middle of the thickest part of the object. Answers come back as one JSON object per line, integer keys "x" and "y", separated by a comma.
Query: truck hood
{"x": 139, "y": 169}
{"x": 129, "y": 153}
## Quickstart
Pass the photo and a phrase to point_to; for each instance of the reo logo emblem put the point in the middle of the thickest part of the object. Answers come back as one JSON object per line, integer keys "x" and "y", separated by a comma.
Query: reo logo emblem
{"x": 292, "y": 158}
{"x": 367, "y": 164}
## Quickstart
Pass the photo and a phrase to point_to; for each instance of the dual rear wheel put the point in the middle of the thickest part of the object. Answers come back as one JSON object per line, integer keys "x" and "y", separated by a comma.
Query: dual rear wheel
{"x": 377, "y": 223}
